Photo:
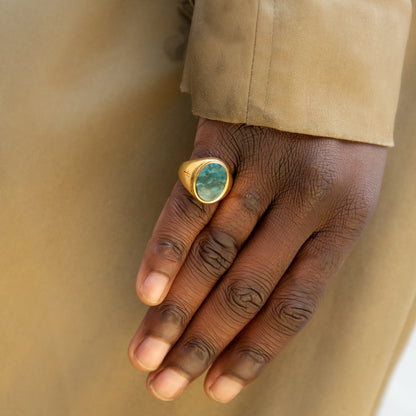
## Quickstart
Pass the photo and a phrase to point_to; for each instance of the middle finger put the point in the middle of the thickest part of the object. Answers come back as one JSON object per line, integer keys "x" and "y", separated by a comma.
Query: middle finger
{"x": 237, "y": 298}
{"x": 211, "y": 255}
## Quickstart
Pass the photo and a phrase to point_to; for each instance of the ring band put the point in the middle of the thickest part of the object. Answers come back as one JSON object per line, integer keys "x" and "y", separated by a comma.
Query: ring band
{"x": 208, "y": 180}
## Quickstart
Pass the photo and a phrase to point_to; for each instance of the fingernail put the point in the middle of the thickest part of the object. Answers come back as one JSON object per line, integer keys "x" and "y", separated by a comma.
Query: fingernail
{"x": 225, "y": 389}
{"x": 151, "y": 352}
{"x": 168, "y": 384}
{"x": 153, "y": 286}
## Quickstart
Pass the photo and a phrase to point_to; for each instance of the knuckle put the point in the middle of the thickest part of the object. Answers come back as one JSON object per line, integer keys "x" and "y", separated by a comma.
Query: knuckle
{"x": 172, "y": 314}
{"x": 218, "y": 139}
{"x": 244, "y": 299}
{"x": 360, "y": 206}
{"x": 170, "y": 249}
{"x": 325, "y": 247}
{"x": 200, "y": 350}
{"x": 291, "y": 313}
{"x": 352, "y": 214}
{"x": 317, "y": 183}
{"x": 252, "y": 202}
{"x": 249, "y": 361}
{"x": 216, "y": 251}
{"x": 257, "y": 355}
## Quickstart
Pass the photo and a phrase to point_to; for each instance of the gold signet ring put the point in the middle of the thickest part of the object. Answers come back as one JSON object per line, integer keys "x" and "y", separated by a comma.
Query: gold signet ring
{"x": 208, "y": 180}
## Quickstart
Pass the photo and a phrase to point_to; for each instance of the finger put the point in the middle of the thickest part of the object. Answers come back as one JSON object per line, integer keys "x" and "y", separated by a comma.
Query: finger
{"x": 286, "y": 312}
{"x": 181, "y": 220}
{"x": 237, "y": 298}
{"x": 211, "y": 255}
{"x": 292, "y": 303}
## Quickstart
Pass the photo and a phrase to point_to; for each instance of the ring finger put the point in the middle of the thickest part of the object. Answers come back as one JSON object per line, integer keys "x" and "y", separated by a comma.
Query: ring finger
{"x": 211, "y": 255}
{"x": 237, "y": 299}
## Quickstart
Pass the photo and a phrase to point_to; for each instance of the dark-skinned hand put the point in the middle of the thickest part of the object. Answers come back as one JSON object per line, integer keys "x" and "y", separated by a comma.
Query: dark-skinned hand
{"x": 231, "y": 283}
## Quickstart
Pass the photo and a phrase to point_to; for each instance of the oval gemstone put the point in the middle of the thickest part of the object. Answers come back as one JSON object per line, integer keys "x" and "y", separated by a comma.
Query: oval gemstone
{"x": 211, "y": 182}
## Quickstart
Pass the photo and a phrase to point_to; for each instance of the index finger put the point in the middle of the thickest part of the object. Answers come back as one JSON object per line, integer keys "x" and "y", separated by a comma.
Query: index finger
{"x": 181, "y": 220}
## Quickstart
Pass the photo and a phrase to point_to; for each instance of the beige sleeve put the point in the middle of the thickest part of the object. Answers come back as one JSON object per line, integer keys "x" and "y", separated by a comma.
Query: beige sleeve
{"x": 325, "y": 68}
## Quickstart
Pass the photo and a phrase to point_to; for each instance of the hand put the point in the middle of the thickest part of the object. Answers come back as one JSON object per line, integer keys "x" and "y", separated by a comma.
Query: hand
{"x": 236, "y": 280}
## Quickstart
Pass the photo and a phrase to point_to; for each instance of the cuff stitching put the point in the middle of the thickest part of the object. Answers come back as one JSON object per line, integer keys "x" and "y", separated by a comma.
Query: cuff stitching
{"x": 252, "y": 60}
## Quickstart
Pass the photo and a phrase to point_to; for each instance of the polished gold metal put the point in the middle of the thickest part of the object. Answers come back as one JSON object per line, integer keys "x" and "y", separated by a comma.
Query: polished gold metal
{"x": 188, "y": 173}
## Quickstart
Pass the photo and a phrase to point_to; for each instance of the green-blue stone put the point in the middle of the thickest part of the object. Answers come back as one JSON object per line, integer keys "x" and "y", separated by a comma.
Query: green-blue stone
{"x": 211, "y": 181}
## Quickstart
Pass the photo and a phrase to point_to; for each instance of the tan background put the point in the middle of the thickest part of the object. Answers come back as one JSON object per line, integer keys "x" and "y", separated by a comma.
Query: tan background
{"x": 399, "y": 397}
{"x": 92, "y": 130}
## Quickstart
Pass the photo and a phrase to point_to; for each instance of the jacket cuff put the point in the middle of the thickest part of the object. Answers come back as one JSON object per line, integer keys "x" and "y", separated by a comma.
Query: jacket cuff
{"x": 323, "y": 68}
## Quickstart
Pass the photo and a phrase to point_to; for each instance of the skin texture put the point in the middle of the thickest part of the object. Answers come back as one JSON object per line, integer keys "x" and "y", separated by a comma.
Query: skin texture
{"x": 245, "y": 275}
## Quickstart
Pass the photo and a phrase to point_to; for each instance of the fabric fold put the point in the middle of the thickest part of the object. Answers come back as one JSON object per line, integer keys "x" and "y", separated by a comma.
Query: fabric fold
{"x": 323, "y": 68}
